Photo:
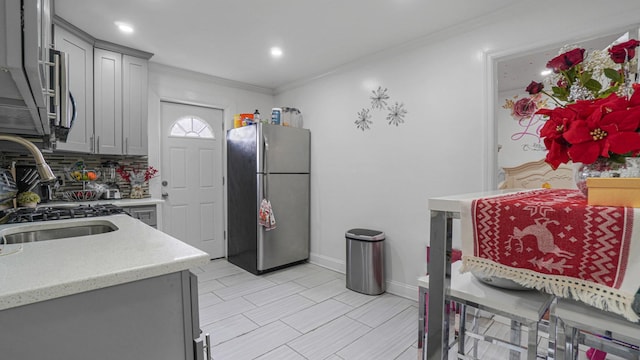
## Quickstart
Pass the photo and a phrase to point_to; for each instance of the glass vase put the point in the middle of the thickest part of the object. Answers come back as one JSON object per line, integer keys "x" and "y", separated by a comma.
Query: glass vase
{"x": 137, "y": 192}
{"x": 606, "y": 167}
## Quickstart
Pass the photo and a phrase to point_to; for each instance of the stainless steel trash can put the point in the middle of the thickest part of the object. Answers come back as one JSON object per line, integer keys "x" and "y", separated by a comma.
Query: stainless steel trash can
{"x": 365, "y": 261}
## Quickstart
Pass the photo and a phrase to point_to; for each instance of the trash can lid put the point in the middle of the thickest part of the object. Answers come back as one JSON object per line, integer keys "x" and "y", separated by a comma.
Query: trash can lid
{"x": 365, "y": 234}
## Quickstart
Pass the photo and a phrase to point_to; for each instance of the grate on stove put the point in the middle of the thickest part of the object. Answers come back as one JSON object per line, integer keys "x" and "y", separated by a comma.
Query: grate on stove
{"x": 46, "y": 213}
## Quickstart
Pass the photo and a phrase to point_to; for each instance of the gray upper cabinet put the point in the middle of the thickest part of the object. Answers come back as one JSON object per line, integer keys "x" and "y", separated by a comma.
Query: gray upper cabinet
{"x": 107, "y": 91}
{"x": 120, "y": 93}
{"x": 109, "y": 84}
{"x": 80, "y": 55}
{"x": 134, "y": 105}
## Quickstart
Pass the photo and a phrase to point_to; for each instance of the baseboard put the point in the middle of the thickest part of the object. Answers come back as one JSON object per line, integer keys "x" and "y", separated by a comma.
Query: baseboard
{"x": 393, "y": 287}
{"x": 328, "y": 262}
{"x": 403, "y": 290}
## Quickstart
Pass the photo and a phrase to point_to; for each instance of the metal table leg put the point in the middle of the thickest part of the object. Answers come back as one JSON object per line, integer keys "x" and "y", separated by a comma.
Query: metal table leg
{"x": 440, "y": 244}
{"x": 422, "y": 297}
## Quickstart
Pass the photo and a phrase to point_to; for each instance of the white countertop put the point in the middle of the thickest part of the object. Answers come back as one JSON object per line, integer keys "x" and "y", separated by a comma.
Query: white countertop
{"x": 120, "y": 202}
{"x": 452, "y": 202}
{"x": 54, "y": 268}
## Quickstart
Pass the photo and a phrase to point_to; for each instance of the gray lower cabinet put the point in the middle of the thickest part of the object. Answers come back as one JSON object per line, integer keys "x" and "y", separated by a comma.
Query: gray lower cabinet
{"x": 154, "y": 318}
{"x": 147, "y": 214}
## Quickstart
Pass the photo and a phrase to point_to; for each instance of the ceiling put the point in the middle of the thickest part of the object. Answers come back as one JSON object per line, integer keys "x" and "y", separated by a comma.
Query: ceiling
{"x": 231, "y": 39}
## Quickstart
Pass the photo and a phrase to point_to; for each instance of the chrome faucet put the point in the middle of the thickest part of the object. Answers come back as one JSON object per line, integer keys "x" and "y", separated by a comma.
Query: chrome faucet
{"x": 46, "y": 175}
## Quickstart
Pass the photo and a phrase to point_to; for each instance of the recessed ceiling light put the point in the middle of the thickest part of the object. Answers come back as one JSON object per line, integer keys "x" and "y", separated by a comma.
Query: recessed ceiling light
{"x": 124, "y": 27}
{"x": 276, "y": 52}
{"x": 546, "y": 72}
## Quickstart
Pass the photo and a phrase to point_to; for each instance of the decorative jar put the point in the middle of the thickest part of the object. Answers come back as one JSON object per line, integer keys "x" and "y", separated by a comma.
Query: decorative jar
{"x": 606, "y": 168}
{"x": 137, "y": 192}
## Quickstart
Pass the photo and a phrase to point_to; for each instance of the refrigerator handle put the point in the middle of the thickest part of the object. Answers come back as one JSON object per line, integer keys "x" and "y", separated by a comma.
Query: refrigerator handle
{"x": 266, "y": 168}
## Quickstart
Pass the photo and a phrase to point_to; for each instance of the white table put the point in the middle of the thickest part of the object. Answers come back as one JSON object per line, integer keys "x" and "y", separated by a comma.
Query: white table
{"x": 443, "y": 210}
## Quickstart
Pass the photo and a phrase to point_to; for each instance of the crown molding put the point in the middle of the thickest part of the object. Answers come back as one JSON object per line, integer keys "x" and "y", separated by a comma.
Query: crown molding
{"x": 97, "y": 43}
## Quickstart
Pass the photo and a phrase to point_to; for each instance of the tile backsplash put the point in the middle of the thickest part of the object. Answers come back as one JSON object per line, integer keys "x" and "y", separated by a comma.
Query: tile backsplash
{"x": 60, "y": 162}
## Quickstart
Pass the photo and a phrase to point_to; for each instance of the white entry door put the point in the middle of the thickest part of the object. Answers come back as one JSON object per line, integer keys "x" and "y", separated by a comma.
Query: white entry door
{"x": 192, "y": 139}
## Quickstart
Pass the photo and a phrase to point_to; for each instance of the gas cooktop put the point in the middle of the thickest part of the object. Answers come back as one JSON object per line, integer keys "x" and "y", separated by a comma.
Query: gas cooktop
{"x": 45, "y": 213}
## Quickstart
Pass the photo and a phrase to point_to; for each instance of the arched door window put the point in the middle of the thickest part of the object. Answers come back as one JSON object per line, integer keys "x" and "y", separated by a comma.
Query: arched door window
{"x": 191, "y": 126}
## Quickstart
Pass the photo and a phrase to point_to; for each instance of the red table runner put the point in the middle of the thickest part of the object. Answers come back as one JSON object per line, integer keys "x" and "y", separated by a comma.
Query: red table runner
{"x": 552, "y": 240}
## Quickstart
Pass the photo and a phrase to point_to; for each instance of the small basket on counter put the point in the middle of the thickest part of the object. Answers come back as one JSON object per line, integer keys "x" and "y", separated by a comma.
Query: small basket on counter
{"x": 90, "y": 191}
{"x": 81, "y": 195}
{"x": 79, "y": 172}
{"x": 82, "y": 175}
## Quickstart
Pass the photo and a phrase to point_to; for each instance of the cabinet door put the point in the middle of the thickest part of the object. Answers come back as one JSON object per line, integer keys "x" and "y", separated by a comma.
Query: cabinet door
{"x": 134, "y": 105}
{"x": 150, "y": 318}
{"x": 108, "y": 101}
{"x": 80, "y": 55}
{"x": 146, "y": 214}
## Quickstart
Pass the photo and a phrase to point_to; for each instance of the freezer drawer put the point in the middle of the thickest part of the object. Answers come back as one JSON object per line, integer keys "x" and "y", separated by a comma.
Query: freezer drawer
{"x": 289, "y": 241}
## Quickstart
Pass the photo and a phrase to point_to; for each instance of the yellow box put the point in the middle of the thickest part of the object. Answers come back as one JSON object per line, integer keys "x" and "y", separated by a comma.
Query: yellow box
{"x": 614, "y": 192}
{"x": 237, "y": 121}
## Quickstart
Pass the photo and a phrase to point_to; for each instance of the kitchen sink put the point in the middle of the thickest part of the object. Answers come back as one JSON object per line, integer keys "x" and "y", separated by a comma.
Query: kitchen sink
{"x": 51, "y": 232}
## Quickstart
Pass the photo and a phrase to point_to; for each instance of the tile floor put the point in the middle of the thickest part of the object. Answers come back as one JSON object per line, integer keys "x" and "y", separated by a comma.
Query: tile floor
{"x": 302, "y": 312}
{"x": 306, "y": 312}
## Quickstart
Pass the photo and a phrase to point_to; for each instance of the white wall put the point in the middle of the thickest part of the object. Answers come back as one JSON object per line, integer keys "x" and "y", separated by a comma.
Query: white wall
{"x": 382, "y": 178}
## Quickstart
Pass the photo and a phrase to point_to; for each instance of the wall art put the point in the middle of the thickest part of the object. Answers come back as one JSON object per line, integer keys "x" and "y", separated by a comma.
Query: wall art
{"x": 363, "y": 120}
{"x": 379, "y": 98}
{"x": 379, "y": 102}
{"x": 396, "y": 114}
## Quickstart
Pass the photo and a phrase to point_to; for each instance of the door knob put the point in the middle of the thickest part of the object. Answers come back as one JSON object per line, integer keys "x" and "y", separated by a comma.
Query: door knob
{"x": 165, "y": 194}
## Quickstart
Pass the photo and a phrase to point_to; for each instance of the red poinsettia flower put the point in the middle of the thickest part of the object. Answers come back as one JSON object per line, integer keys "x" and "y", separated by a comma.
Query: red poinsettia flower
{"x": 594, "y": 121}
{"x": 634, "y": 100}
{"x": 552, "y": 132}
{"x": 588, "y": 108}
{"x": 610, "y": 128}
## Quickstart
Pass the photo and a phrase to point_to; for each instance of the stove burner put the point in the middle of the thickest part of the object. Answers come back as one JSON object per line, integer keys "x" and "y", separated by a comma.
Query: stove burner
{"x": 23, "y": 215}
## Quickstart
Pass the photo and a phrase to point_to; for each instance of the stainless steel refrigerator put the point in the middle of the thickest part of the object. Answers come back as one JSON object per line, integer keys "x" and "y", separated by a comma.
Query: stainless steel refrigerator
{"x": 268, "y": 162}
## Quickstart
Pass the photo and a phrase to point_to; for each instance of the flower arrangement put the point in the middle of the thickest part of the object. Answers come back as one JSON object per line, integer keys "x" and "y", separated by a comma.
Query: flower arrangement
{"x": 137, "y": 179}
{"x": 591, "y": 120}
{"x": 133, "y": 176}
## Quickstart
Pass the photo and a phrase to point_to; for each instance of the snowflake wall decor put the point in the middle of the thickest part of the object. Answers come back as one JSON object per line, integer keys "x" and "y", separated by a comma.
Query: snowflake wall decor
{"x": 396, "y": 114}
{"x": 363, "y": 120}
{"x": 379, "y": 98}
